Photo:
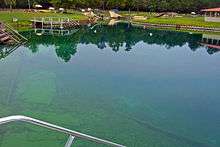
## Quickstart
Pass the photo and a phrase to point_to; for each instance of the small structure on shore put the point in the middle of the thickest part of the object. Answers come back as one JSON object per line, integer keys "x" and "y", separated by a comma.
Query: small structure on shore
{"x": 114, "y": 14}
{"x": 54, "y": 23}
{"x": 38, "y": 6}
{"x": 167, "y": 14}
{"x": 62, "y": 23}
{"x": 211, "y": 41}
{"x": 212, "y": 15}
{"x": 139, "y": 18}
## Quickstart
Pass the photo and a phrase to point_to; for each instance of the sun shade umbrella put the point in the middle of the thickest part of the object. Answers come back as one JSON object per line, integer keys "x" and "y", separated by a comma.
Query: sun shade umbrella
{"x": 38, "y": 6}
{"x": 51, "y": 8}
{"x": 61, "y": 9}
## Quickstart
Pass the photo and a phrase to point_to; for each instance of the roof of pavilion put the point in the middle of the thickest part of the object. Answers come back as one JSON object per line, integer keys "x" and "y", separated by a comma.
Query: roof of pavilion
{"x": 211, "y": 10}
{"x": 211, "y": 46}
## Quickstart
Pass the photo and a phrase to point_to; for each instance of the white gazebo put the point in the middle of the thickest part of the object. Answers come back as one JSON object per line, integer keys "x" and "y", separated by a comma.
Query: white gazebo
{"x": 212, "y": 15}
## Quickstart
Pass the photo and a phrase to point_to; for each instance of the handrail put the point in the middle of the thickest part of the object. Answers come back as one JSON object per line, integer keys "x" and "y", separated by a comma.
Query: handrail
{"x": 14, "y": 31}
{"x": 49, "y": 19}
{"x": 50, "y": 126}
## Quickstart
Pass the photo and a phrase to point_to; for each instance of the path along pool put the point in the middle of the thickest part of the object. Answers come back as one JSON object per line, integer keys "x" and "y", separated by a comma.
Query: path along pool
{"x": 140, "y": 88}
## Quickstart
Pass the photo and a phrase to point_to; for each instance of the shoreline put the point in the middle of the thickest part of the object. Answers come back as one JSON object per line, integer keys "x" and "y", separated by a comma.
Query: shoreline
{"x": 177, "y": 27}
{"x": 186, "y": 23}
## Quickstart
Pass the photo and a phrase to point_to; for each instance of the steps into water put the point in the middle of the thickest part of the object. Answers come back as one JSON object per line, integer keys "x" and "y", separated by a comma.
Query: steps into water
{"x": 10, "y": 36}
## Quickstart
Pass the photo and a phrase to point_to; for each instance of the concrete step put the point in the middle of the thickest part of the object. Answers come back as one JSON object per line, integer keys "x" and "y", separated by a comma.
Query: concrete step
{"x": 4, "y": 39}
{"x": 2, "y": 35}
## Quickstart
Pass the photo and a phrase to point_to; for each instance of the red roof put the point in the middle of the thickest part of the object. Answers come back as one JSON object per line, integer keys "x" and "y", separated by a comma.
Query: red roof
{"x": 211, "y": 10}
{"x": 211, "y": 46}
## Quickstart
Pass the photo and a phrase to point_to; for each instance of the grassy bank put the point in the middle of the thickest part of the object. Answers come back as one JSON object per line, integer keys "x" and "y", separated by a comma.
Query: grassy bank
{"x": 25, "y": 17}
{"x": 192, "y": 21}
{"x": 180, "y": 19}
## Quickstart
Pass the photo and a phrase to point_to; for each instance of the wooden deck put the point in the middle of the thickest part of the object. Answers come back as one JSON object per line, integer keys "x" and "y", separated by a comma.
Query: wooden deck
{"x": 59, "y": 23}
{"x": 54, "y": 23}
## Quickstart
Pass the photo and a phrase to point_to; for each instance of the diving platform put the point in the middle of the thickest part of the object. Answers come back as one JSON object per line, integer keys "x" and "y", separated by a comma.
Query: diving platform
{"x": 54, "y": 23}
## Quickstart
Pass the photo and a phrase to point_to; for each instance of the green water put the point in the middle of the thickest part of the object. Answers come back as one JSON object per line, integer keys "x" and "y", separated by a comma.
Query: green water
{"x": 139, "y": 88}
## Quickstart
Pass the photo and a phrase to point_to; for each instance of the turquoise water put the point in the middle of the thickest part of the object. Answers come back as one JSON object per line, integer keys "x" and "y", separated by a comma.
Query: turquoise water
{"x": 140, "y": 88}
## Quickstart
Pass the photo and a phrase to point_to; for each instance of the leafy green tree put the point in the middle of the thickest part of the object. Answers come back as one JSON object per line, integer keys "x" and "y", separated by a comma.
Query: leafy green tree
{"x": 138, "y": 5}
{"x": 10, "y": 3}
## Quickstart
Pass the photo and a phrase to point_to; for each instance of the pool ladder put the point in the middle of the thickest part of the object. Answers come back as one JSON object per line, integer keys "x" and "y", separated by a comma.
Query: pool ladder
{"x": 72, "y": 134}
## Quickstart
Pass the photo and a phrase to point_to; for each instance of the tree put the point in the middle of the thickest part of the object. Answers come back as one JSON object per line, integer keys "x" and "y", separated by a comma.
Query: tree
{"x": 139, "y": 5}
{"x": 10, "y": 3}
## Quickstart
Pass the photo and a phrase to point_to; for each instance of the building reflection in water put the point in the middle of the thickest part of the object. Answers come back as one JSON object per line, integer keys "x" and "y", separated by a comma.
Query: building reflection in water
{"x": 212, "y": 42}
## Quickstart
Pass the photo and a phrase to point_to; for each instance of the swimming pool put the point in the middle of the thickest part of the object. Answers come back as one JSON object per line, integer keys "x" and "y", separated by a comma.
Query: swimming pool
{"x": 132, "y": 86}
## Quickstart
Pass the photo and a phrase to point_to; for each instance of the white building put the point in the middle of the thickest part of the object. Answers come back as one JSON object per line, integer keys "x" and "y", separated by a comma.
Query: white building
{"x": 212, "y": 15}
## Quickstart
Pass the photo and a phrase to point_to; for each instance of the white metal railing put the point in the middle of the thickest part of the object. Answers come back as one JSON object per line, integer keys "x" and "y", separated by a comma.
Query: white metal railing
{"x": 52, "y": 19}
{"x": 18, "y": 38}
{"x": 55, "y": 32}
{"x": 55, "y": 22}
{"x": 72, "y": 134}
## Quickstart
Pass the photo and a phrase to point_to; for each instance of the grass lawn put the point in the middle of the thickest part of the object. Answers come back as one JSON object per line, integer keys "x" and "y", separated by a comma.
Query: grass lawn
{"x": 182, "y": 20}
{"x": 194, "y": 21}
{"x": 25, "y": 17}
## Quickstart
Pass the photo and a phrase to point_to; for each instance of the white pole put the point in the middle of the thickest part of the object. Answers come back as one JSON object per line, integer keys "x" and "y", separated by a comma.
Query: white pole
{"x": 29, "y": 4}
{"x": 51, "y": 23}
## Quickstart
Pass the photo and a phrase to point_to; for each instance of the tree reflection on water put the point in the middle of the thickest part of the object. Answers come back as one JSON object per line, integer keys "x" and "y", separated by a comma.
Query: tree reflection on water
{"x": 118, "y": 37}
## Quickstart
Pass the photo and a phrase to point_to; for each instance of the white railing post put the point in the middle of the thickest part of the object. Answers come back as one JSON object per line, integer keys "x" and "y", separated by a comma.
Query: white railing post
{"x": 70, "y": 141}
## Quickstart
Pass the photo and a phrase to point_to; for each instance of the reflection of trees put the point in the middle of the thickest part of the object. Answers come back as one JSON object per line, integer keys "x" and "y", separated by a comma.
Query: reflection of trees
{"x": 116, "y": 37}
{"x": 64, "y": 49}
{"x": 65, "y": 46}
{"x": 212, "y": 50}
